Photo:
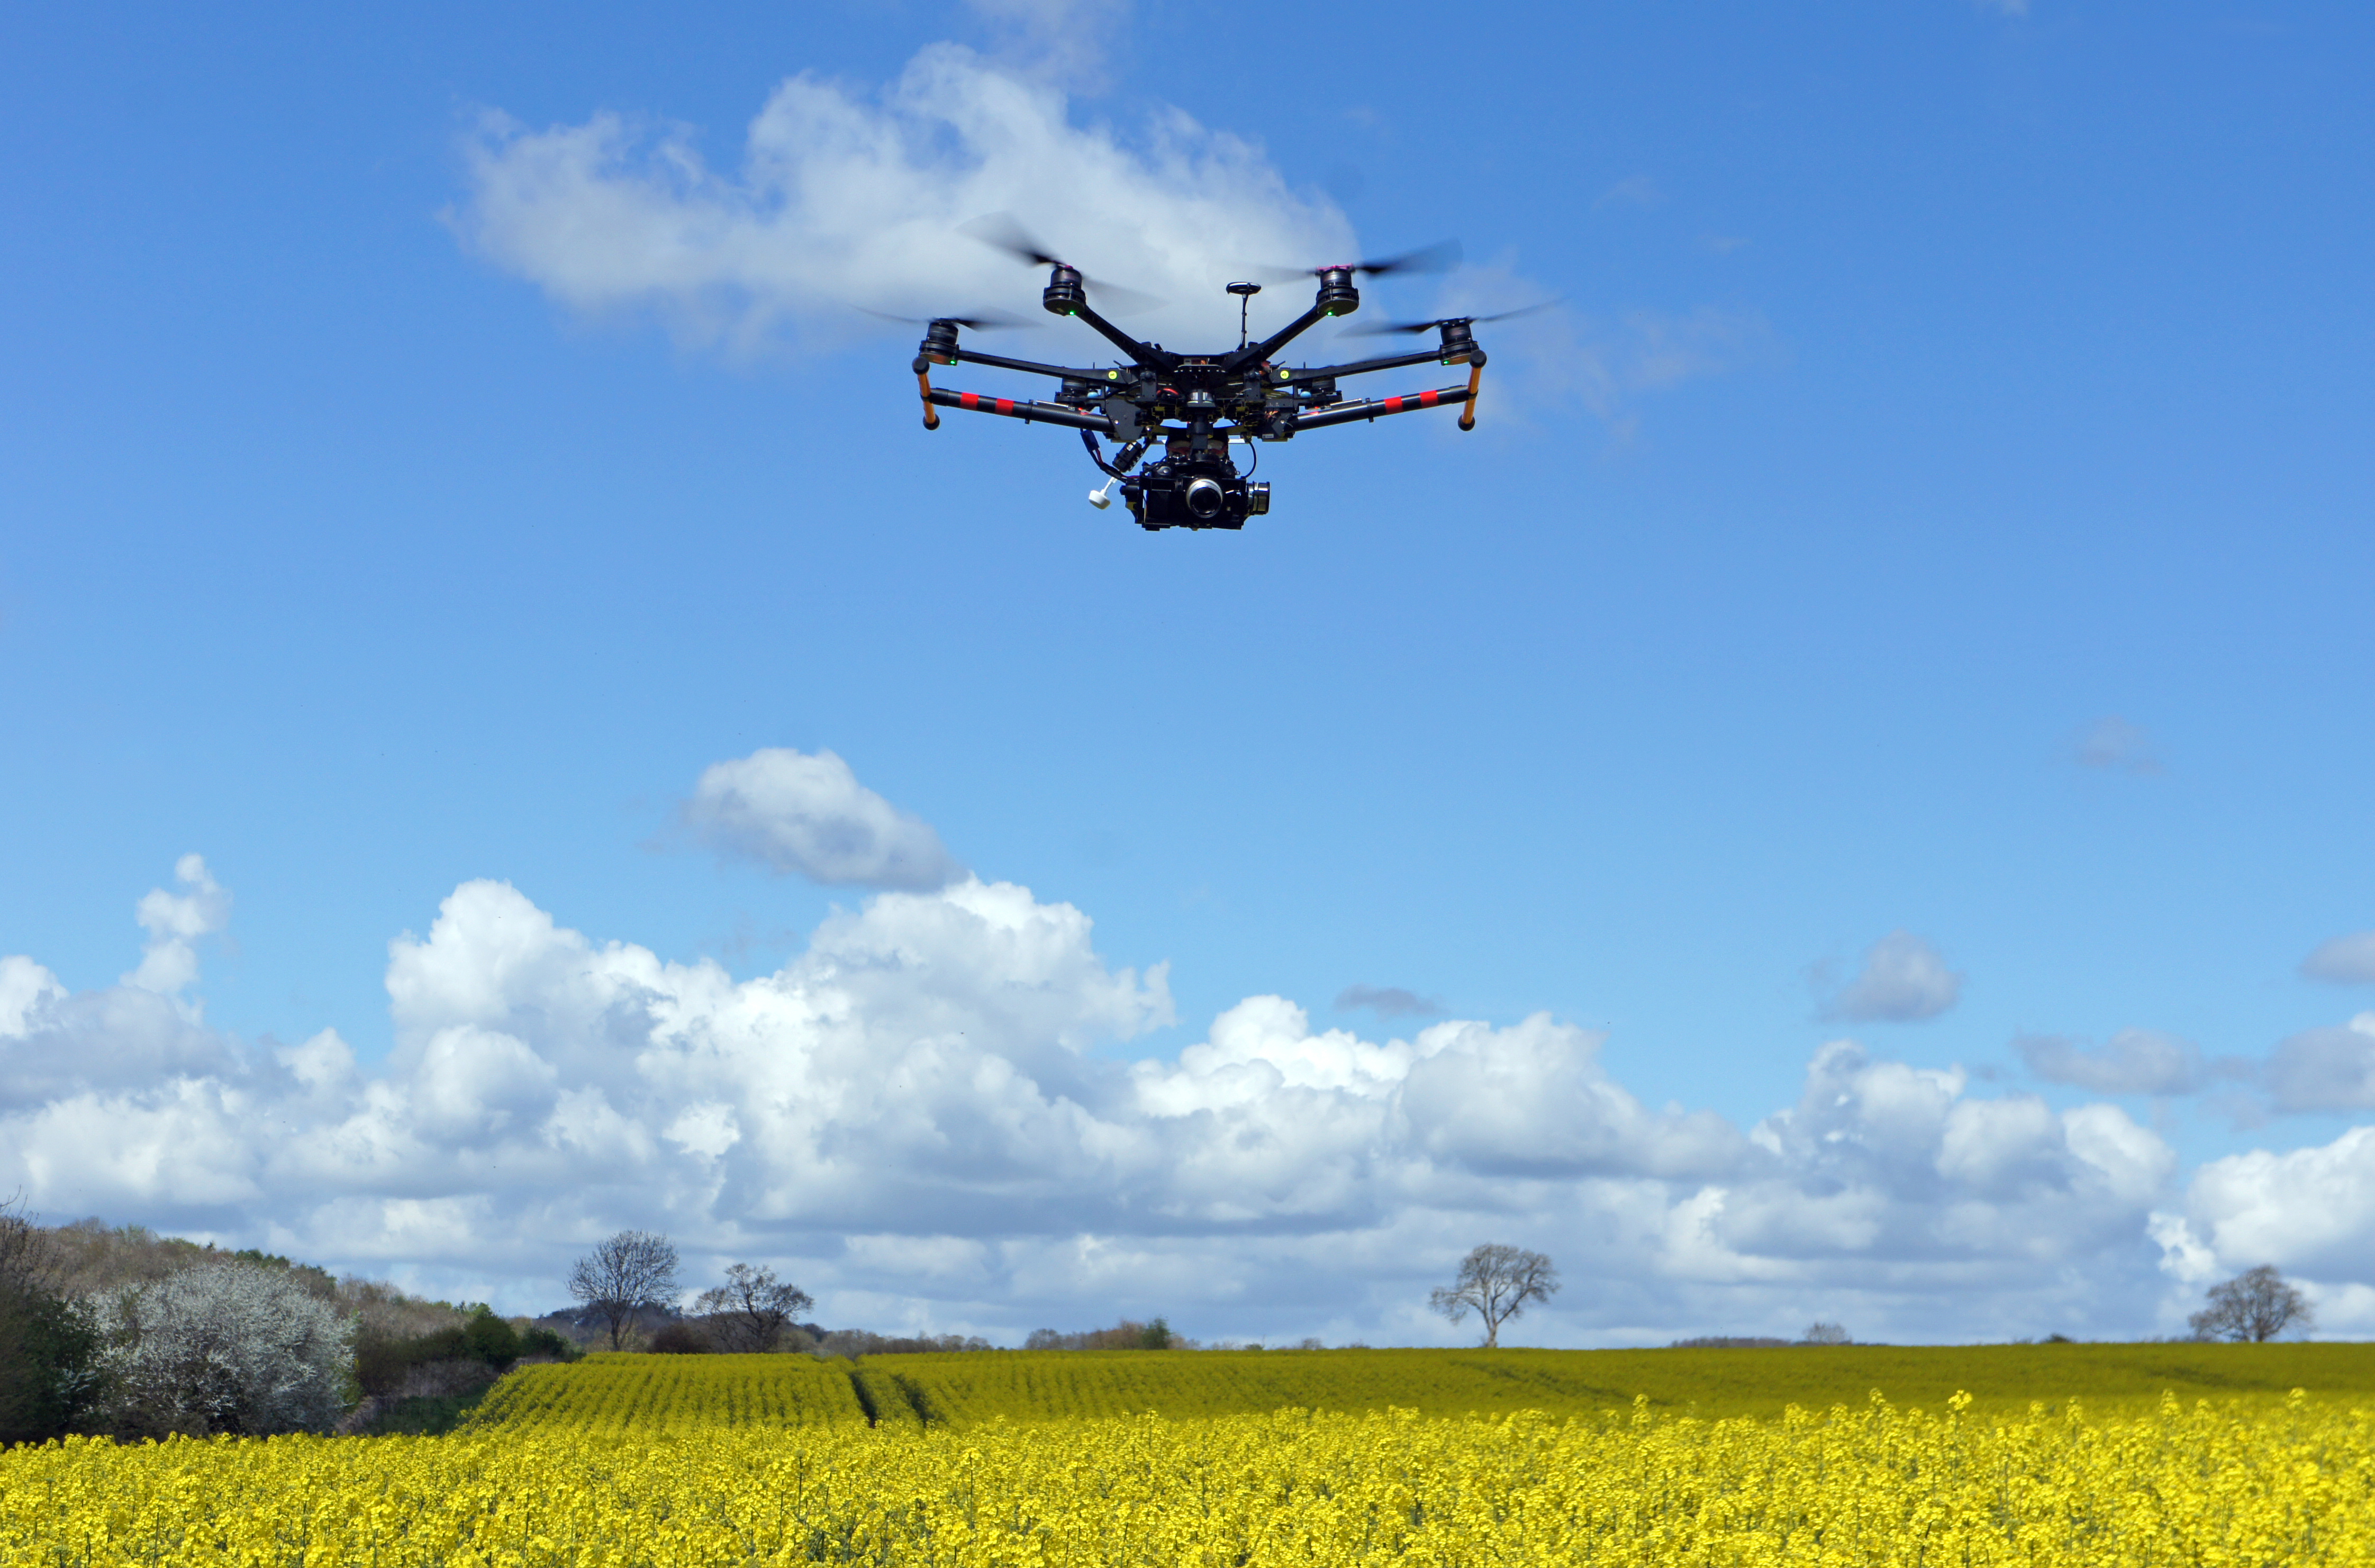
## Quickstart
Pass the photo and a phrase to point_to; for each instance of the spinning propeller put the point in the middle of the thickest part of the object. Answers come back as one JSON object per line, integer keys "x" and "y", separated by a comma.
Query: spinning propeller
{"x": 1000, "y": 231}
{"x": 988, "y": 320}
{"x": 1416, "y": 327}
{"x": 1439, "y": 257}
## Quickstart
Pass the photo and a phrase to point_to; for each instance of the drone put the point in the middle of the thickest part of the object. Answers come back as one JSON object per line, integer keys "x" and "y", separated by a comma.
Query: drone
{"x": 1184, "y": 411}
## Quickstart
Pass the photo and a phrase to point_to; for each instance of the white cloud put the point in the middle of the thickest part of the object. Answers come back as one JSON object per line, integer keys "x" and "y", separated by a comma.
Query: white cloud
{"x": 175, "y": 920}
{"x": 2114, "y": 744}
{"x": 845, "y": 197}
{"x": 808, "y": 814}
{"x": 2344, "y": 960}
{"x": 2325, "y": 1069}
{"x": 916, "y": 1117}
{"x": 2133, "y": 1061}
{"x": 2307, "y": 1210}
{"x": 1904, "y": 979}
{"x": 25, "y": 989}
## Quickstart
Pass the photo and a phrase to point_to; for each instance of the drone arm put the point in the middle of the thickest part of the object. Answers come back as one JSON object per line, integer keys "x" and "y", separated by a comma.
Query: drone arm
{"x": 1023, "y": 409}
{"x": 1363, "y": 367}
{"x": 1261, "y": 351}
{"x": 1372, "y": 407}
{"x": 1030, "y": 367}
{"x": 1140, "y": 353}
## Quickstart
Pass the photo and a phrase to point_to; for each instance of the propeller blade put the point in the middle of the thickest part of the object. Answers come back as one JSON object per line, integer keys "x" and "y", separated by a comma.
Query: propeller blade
{"x": 988, "y": 320}
{"x": 1442, "y": 256}
{"x": 1118, "y": 301}
{"x": 1439, "y": 257}
{"x": 1000, "y": 231}
{"x": 1383, "y": 327}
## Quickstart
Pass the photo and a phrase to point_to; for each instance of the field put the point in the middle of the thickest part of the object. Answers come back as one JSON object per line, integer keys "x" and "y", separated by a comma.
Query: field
{"x": 607, "y": 1393}
{"x": 1039, "y": 1459}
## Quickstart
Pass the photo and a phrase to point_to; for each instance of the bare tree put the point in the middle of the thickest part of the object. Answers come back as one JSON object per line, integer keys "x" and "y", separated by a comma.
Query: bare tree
{"x": 633, "y": 1270}
{"x": 1821, "y": 1333}
{"x": 2256, "y": 1306}
{"x": 751, "y": 1311}
{"x": 1496, "y": 1282}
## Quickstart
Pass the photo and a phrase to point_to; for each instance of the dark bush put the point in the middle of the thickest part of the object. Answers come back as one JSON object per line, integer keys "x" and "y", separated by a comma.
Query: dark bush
{"x": 49, "y": 1359}
{"x": 680, "y": 1340}
{"x": 382, "y": 1364}
{"x": 49, "y": 1351}
{"x": 545, "y": 1342}
{"x": 490, "y": 1339}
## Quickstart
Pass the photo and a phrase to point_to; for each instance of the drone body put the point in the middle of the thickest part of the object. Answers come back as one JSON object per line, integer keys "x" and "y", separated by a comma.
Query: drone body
{"x": 1184, "y": 411}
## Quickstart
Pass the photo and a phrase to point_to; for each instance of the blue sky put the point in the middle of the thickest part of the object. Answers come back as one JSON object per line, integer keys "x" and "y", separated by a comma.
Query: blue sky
{"x": 1928, "y": 541}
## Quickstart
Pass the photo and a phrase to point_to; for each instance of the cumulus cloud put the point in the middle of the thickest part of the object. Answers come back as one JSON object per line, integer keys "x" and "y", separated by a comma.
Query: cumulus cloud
{"x": 1903, "y": 980}
{"x": 848, "y": 197}
{"x": 25, "y": 989}
{"x": 1385, "y": 1001}
{"x": 2112, "y": 743}
{"x": 2344, "y": 960}
{"x": 2307, "y": 1209}
{"x": 174, "y": 922}
{"x": 920, "y": 1117}
{"x": 808, "y": 814}
{"x": 2133, "y": 1061}
{"x": 2324, "y": 1069}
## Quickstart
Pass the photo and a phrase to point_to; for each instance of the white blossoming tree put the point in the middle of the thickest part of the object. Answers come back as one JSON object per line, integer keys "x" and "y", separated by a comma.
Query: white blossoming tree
{"x": 224, "y": 1348}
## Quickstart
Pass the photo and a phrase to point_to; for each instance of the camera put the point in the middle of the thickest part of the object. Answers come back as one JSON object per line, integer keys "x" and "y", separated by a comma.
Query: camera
{"x": 1194, "y": 490}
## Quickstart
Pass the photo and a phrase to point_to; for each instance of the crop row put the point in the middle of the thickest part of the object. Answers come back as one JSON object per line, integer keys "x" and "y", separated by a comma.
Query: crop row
{"x": 2291, "y": 1481}
{"x": 655, "y": 1393}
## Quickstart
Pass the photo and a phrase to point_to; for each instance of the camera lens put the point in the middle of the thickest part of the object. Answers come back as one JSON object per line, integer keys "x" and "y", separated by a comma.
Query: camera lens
{"x": 1204, "y": 499}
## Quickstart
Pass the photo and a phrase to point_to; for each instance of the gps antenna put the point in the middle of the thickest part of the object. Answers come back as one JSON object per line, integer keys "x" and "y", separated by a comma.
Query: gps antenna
{"x": 1245, "y": 293}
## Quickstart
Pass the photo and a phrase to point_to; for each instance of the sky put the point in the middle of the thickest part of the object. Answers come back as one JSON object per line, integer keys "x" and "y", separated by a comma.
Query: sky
{"x": 1846, "y": 797}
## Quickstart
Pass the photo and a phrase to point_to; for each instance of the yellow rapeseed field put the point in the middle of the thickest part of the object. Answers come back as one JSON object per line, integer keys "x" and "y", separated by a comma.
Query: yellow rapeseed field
{"x": 649, "y": 1393}
{"x": 2247, "y": 1482}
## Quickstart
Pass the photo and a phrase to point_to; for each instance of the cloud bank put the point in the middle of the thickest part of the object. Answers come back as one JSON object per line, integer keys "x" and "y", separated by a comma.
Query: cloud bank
{"x": 845, "y": 197}
{"x": 921, "y": 1118}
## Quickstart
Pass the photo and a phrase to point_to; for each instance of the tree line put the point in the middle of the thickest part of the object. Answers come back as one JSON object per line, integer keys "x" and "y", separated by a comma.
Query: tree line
{"x": 124, "y": 1333}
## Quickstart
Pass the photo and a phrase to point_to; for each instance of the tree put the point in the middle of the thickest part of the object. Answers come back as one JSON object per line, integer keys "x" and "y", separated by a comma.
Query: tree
{"x": 1496, "y": 1282}
{"x": 49, "y": 1351}
{"x": 223, "y": 1348}
{"x": 632, "y": 1271}
{"x": 1821, "y": 1333}
{"x": 2256, "y": 1306}
{"x": 751, "y": 1311}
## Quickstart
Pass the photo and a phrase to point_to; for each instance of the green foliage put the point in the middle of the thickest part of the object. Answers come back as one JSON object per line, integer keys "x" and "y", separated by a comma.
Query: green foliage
{"x": 544, "y": 1344}
{"x": 381, "y": 1363}
{"x": 489, "y": 1339}
{"x": 49, "y": 1364}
